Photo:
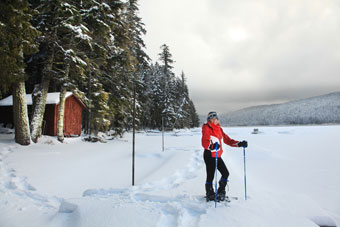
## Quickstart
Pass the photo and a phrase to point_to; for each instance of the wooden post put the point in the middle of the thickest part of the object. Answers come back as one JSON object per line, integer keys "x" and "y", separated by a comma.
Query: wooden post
{"x": 163, "y": 134}
{"x": 90, "y": 103}
{"x": 133, "y": 136}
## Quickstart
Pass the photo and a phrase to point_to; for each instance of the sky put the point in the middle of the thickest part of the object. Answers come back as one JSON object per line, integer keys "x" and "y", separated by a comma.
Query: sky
{"x": 241, "y": 53}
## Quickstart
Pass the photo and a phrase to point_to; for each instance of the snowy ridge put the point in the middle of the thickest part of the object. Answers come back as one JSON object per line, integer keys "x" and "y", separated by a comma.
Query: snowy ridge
{"x": 323, "y": 109}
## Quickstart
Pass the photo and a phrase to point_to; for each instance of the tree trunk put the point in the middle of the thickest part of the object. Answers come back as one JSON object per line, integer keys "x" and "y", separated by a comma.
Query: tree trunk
{"x": 20, "y": 116}
{"x": 61, "y": 111}
{"x": 60, "y": 129}
{"x": 39, "y": 97}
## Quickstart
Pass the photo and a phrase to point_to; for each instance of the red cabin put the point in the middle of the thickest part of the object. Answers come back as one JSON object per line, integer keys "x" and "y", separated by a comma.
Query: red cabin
{"x": 72, "y": 116}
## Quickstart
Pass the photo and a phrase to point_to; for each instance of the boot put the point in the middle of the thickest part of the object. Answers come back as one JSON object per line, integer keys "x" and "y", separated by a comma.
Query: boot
{"x": 210, "y": 194}
{"x": 221, "y": 189}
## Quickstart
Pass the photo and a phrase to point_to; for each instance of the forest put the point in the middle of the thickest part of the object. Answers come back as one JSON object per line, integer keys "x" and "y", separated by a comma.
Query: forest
{"x": 95, "y": 49}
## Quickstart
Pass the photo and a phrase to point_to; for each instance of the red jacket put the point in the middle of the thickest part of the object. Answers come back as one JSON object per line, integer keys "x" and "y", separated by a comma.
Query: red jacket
{"x": 210, "y": 129}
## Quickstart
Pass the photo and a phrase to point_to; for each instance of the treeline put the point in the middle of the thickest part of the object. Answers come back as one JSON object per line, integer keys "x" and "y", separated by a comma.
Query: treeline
{"x": 95, "y": 49}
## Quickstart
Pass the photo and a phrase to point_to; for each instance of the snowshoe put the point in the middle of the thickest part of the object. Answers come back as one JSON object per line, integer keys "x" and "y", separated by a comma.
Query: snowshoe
{"x": 221, "y": 196}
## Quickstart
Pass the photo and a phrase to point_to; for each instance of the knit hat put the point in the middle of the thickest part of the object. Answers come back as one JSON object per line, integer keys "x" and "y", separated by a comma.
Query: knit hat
{"x": 212, "y": 115}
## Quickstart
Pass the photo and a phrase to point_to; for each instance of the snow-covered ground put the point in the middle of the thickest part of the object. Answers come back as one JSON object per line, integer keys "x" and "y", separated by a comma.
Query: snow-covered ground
{"x": 292, "y": 180}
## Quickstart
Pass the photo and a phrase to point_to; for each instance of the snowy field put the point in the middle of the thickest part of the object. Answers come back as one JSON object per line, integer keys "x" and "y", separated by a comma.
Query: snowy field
{"x": 292, "y": 180}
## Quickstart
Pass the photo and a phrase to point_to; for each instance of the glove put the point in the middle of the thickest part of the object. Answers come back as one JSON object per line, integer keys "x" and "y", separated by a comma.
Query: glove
{"x": 243, "y": 144}
{"x": 214, "y": 146}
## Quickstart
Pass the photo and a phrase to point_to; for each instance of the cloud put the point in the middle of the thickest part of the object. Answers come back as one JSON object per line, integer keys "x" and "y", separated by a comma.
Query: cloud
{"x": 240, "y": 53}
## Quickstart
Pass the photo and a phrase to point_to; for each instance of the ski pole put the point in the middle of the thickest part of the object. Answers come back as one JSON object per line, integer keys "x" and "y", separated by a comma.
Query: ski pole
{"x": 216, "y": 177}
{"x": 245, "y": 176}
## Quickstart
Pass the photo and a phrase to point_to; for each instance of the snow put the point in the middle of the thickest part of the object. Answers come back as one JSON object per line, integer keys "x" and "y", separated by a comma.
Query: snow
{"x": 292, "y": 180}
{"x": 103, "y": 23}
{"x": 4, "y": 130}
{"x": 69, "y": 52}
{"x": 66, "y": 4}
{"x": 79, "y": 31}
{"x": 79, "y": 60}
{"x": 106, "y": 6}
{"x": 52, "y": 98}
{"x": 94, "y": 8}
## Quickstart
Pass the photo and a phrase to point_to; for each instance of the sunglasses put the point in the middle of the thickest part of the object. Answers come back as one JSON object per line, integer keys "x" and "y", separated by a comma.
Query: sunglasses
{"x": 213, "y": 115}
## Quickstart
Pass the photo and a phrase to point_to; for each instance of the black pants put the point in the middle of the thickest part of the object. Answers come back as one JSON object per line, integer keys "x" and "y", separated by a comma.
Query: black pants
{"x": 210, "y": 163}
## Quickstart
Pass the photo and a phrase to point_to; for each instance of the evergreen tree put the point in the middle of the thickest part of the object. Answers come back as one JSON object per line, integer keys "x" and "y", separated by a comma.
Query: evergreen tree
{"x": 168, "y": 84}
{"x": 145, "y": 96}
{"x": 182, "y": 98}
{"x": 111, "y": 61}
{"x": 16, "y": 40}
{"x": 168, "y": 97}
{"x": 157, "y": 97}
{"x": 97, "y": 19}
{"x": 136, "y": 29}
{"x": 166, "y": 58}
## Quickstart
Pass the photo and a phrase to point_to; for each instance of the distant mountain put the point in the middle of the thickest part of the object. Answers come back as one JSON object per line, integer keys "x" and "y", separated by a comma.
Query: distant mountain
{"x": 322, "y": 109}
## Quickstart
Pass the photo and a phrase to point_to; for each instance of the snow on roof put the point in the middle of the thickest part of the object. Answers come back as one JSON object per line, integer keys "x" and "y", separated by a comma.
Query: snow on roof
{"x": 52, "y": 98}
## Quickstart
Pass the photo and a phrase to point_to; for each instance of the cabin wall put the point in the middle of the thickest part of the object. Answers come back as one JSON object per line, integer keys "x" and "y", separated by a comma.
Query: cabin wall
{"x": 72, "y": 117}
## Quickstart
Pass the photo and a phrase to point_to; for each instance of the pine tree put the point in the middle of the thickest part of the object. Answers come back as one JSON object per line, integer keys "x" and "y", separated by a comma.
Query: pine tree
{"x": 168, "y": 84}
{"x": 145, "y": 96}
{"x": 16, "y": 40}
{"x": 136, "y": 29}
{"x": 194, "y": 119}
{"x": 110, "y": 61}
{"x": 166, "y": 58}
{"x": 182, "y": 97}
{"x": 160, "y": 100}
{"x": 157, "y": 96}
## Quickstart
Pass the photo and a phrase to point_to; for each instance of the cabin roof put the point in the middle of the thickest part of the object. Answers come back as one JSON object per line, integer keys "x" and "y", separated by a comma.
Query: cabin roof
{"x": 52, "y": 98}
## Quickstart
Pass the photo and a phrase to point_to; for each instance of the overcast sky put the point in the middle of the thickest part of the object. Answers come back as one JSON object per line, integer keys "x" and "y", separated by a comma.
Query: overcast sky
{"x": 240, "y": 53}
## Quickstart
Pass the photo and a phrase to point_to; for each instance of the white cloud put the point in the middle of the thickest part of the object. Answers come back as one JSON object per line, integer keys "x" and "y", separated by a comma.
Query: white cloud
{"x": 240, "y": 53}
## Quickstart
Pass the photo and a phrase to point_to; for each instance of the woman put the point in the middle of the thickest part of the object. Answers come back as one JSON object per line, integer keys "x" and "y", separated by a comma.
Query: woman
{"x": 212, "y": 135}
